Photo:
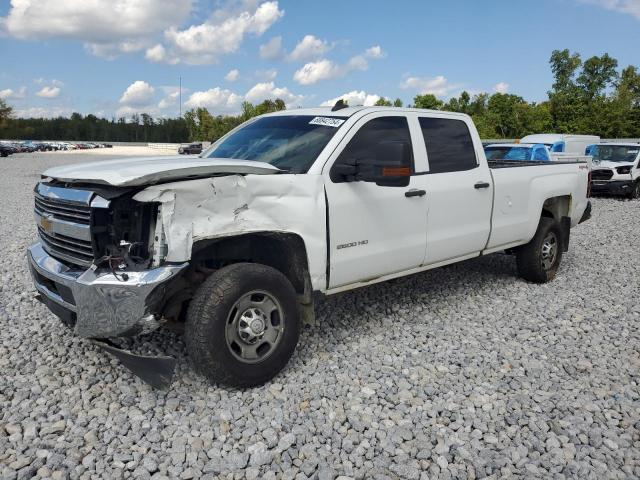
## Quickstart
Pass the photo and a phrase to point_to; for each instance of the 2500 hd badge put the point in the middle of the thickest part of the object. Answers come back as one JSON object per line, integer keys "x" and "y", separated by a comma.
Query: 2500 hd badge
{"x": 352, "y": 244}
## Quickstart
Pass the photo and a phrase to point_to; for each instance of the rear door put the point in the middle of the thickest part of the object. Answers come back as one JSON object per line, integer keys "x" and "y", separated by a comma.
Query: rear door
{"x": 375, "y": 230}
{"x": 459, "y": 189}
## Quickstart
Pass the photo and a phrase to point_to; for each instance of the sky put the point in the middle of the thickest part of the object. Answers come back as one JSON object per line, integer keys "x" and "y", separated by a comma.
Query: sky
{"x": 114, "y": 58}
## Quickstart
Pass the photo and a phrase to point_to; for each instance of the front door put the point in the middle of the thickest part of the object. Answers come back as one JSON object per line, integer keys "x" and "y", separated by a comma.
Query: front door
{"x": 375, "y": 230}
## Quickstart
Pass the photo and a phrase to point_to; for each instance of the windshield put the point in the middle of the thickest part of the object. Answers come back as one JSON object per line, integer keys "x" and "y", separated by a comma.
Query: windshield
{"x": 615, "y": 153}
{"x": 508, "y": 153}
{"x": 291, "y": 142}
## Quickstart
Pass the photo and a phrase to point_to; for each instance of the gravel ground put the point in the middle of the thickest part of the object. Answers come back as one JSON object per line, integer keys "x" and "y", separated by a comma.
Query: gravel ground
{"x": 461, "y": 372}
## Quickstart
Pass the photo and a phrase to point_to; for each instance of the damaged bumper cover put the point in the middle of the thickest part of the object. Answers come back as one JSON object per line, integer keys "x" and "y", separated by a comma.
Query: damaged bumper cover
{"x": 96, "y": 304}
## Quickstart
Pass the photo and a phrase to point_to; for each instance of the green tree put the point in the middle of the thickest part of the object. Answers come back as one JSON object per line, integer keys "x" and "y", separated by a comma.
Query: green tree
{"x": 460, "y": 104}
{"x": 383, "y": 102}
{"x": 5, "y": 112}
{"x": 598, "y": 73}
{"x": 428, "y": 101}
{"x": 505, "y": 110}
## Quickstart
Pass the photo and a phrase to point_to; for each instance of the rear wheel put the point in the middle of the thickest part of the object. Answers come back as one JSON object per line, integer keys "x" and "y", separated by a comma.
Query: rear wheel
{"x": 538, "y": 260}
{"x": 243, "y": 325}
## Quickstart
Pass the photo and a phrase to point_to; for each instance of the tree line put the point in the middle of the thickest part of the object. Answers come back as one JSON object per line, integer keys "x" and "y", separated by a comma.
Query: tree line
{"x": 587, "y": 97}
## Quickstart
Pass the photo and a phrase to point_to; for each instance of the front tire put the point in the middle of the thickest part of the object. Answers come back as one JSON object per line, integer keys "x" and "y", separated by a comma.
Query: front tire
{"x": 635, "y": 191}
{"x": 538, "y": 260}
{"x": 243, "y": 325}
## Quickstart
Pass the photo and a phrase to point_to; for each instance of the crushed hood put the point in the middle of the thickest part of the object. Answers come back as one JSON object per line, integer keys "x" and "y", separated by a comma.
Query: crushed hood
{"x": 125, "y": 172}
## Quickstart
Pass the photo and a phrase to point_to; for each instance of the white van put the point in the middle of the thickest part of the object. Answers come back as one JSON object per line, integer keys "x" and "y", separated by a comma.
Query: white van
{"x": 563, "y": 143}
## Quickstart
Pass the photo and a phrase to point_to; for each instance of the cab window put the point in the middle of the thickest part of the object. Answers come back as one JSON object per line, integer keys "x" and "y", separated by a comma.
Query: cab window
{"x": 449, "y": 145}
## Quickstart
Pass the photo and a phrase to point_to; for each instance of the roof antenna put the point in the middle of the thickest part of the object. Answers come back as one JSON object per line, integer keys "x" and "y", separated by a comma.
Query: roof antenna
{"x": 340, "y": 104}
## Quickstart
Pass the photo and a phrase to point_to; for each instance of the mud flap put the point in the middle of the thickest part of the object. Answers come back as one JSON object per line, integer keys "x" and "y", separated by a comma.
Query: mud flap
{"x": 587, "y": 213}
{"x": 156, "y": 371}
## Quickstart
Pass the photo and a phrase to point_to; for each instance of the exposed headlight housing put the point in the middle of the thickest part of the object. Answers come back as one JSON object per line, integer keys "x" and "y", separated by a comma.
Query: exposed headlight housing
{"x": 624, "y": 170}
{"x": 159, "y": 241}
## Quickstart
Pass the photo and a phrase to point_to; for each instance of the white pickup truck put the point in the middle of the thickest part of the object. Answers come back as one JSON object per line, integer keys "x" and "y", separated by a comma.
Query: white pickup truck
{"x": 235, "y": 242}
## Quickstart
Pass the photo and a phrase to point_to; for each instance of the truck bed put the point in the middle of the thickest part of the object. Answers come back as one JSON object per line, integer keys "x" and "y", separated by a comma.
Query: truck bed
{"x": 519, "y": 195}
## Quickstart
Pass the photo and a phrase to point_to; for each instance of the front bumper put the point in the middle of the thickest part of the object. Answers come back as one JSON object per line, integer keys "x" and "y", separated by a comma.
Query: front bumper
{"x": 96, "y": 304}
{"x": 612, "y": 187}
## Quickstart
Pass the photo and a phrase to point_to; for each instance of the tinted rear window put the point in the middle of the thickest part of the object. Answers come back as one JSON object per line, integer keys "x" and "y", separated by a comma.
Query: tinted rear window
{"x": 449, "y": 145}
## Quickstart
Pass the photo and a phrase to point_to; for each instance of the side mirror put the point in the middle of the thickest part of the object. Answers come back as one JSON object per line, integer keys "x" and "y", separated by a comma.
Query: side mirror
{"x": 379, "y": 169}
{"x": 346, "y": 169}
{"x": 390, "y": 166}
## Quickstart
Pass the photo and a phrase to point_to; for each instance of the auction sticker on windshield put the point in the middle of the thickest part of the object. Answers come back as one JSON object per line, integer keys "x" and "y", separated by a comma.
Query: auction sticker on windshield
{"x": 327, "y": 121}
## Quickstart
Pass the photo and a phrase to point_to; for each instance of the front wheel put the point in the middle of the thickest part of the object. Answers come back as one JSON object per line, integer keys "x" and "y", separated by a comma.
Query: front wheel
{"x": 243, "y": 325}
{"x": 538, "y": 260}
{"x": 635, "y": 190}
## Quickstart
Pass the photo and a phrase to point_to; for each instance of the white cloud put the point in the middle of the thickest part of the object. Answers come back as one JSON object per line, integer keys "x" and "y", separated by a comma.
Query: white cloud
{"x": 109, "y": 28}
{"x": 10, "y": 94}
{"x": 216, "y": 99}
{"x": 232, "y": 76}
{"x": 374, "y": 52}
{"x": 501, "y": 87}
{"x": 325, "y": 69}
{"x": 156, "y": 54}
{"x": 42, "y": 112}
{"x": 271, "y": 50}
{"x": 207, "y": 42}
{"x": 42, "y": 81}
{"x": 138, "y": 94}
{"x": 354, "y": 98}
{"x": 221, "y": 100}
{"x": 268, "y": 90}
{"x": 106, "y": 27}
{"x": 172, "y": 95}
{"x": 316, "y": 71}
{"x": 629, "y": 7}
{"x": 438, "y": 86}
{"x": 111, "y": 51}
{"x": 49, "y": 92}
{"x": 308, "y": 48}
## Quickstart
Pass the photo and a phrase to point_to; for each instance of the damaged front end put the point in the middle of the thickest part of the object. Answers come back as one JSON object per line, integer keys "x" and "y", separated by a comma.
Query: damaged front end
{"x": 94, "y": 260}
{"x": 94, "y": 266}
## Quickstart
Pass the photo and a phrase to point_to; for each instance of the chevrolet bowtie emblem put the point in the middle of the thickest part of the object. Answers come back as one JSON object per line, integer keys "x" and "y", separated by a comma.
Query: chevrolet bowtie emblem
{"x": 46, "y": 224}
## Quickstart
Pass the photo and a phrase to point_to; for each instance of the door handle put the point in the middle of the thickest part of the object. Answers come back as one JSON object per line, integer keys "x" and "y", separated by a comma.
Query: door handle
{"x": 480, "y": 185}
{"x": 415, "y": 193}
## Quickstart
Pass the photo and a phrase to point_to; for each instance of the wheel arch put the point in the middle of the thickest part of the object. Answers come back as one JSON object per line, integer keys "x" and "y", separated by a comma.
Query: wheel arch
{"x": 284, "y": 251}
{"x": 556, "y": 207}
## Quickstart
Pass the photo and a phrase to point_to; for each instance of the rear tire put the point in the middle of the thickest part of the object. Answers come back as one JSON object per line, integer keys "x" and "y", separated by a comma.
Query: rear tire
{"x": 243, "y": 325}
{"x": 538, "y": 260}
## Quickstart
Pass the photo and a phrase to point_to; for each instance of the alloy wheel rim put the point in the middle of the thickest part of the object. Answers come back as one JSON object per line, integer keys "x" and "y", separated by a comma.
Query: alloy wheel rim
{"x": 549, "y": 250}
{"x": 255, "y": 326}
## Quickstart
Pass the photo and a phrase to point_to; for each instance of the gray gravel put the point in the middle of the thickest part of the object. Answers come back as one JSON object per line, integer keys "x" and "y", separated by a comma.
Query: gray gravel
{"x": 461, "y": 372}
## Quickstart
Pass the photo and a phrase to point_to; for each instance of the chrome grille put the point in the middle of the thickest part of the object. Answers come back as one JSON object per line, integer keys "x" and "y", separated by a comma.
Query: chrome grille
{"x": 66, "y": 248}
{"x": 64, "y": 219}
{"x": 63, "y": 210}
{"x": 601, "y": 174}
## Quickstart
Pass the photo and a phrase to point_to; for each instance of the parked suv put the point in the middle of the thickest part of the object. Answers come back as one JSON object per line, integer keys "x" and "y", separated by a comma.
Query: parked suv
{"x": 191, "y": 149}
